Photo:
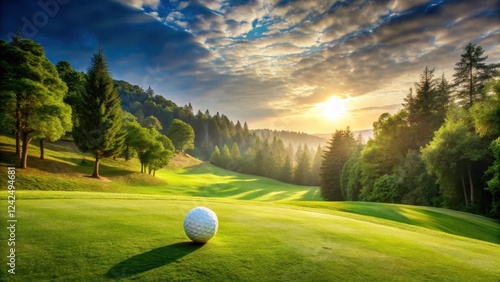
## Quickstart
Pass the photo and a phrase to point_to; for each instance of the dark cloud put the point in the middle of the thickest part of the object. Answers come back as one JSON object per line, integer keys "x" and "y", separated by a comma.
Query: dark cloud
{"x": 263, "y": 58}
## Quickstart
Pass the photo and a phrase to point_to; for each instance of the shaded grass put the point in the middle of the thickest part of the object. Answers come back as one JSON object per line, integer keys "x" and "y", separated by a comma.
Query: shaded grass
{"x": 111, "y": 239}
{"x": 453, "y": 222}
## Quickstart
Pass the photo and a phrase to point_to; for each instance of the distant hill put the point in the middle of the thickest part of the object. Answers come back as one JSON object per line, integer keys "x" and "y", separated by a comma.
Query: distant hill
{"x": 293, "y": 137}
{"x": 366, "y": 134}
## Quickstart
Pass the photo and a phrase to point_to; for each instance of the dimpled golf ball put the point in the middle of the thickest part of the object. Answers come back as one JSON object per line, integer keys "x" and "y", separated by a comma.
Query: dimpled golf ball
{"x": 201, "y": 224}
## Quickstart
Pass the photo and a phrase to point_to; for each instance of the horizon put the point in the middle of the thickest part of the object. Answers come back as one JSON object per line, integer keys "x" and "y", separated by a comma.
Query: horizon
{"x": 308, "y": 66}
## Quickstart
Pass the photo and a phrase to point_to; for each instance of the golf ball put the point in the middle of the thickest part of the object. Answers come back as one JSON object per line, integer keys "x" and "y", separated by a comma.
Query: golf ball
{"x": 201, "y": 224}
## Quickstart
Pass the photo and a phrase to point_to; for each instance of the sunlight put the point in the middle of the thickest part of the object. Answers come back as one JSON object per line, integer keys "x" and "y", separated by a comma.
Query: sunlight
{"x": 334, "y": 108}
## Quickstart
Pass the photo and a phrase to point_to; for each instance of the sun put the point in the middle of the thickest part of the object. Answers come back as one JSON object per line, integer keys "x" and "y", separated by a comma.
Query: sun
{"x": 334, "y": 108}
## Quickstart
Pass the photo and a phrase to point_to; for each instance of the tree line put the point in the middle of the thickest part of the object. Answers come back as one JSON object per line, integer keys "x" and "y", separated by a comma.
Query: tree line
{"x": 441, "y": 149}
{"x": 42, "y": 101}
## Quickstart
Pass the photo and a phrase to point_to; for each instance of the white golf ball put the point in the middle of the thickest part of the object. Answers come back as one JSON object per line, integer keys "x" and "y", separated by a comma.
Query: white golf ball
{"x": 201, "y": 224}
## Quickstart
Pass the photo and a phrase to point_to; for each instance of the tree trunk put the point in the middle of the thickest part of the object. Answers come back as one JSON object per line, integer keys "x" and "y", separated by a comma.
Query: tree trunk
{"x": 154, "y": 172}
{"x": 465, "y": 192}
{"x": 471, "y": 89}
{"x": 471, "y": 185}
{"x": 24, "y": 155}
{"x": 96, "y": 167}
{"x": 142, "y": 168}
{"x": 42, "y": 153}
{"x": 18, "y": 131}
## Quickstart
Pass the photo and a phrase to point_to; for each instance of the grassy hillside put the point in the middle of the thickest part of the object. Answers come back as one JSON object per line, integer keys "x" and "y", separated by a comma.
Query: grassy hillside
{"x": 136, "y": 237}
{"x": 129, "y": 226}
{"x": 63, "y": 170}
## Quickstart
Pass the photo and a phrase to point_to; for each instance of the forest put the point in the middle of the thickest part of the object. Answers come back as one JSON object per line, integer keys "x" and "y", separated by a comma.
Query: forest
{"x": 441, "y": 149}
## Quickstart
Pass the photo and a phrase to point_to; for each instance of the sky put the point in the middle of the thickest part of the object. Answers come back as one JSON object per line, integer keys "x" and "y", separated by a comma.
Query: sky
{"x": 309, "y": 66}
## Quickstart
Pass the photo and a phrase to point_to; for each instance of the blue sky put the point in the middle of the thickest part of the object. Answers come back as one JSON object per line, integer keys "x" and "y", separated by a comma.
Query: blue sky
{"x": 273, "y": 63}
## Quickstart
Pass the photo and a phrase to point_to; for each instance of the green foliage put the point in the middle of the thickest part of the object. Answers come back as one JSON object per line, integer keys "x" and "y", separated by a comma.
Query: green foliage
{"x": 494, "y": 182}
{"x": 31, "y": 87}
{"x": 450, "y": 155}
{"x": 182, "y": 135}
{"x": 215, "y": 159}
{"x": 316, "y": 166}
{"x": 350, "y": 179}
{"x": 339, "y": 150}
{"x": 471, "y": 74}
{"x": 416, "y": 186}
{"x": 385, "y": 189}
{"x": 225, "y": 156}
{"x": 76, "y": 84}
{"x": 100, "y": 114}
{"x": 153, "y": 149}
{"x": 427, "y": 107}
{"x": 302, "y": 170}
{"x": 152, "y": 122}
{"x": 486, "y": 113}
{"x": 486, "y": 116}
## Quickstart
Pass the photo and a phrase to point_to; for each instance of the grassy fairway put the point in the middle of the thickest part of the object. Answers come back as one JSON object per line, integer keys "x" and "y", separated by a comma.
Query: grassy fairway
{"x": 133, "y": 237}
{"x": 129, "y": 227}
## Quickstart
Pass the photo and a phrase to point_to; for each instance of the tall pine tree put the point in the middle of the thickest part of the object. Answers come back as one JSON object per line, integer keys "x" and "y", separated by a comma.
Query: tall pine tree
{"x": 471, "y": 74}
{"x": 339, "y": 150}
{"x": 100, "y": 114}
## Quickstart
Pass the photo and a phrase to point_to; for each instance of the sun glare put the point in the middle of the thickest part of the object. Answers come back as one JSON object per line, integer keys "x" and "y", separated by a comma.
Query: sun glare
{"x": 334, "y": 108}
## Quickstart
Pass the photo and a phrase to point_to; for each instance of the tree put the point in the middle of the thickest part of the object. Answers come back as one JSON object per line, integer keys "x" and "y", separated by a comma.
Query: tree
{"x": 287, "y": 170}
{"x": 182, "y": 135}
{"x": 339, "y": 150}
{"x": 316, "y": 166}
{"x": 427, "y": 107}
{"x": 153, "y": 149}
{"x": 471, "y": 74}
{"x": 152, "y": 122}
{"x": 235, "y": 152}
{"x": 451, "y": 156}
{"x": 225, "y": 157}
{"x": 350, "y": 179}
{"x": 215, "y": 159}
{"x": 31, "y": 83}
{"x": 303, "y": 168}
{"x": 100, "y": 114}
{"x": 486, "y": 116}
{"x": 75, "y": 81}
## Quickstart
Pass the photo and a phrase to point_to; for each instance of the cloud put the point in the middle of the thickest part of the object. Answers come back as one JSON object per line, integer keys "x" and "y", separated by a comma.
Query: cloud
{"x": 377, "y": 108}
{"x": 253, "y": 59}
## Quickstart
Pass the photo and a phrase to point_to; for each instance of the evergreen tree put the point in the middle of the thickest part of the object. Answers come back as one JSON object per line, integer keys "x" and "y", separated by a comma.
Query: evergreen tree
{"x": 235, "y": 152}
{"x": 471, "y": 74}
{"x": 287, "y": 170}
{"x": 100, "y": 114}
{"x": 340, "y": 148}
{"x": 303, "y": 168}
{"x": 225, "y": 157}
{"x": 316, "y": 166}
{"x": 215, "y": 159}
{"x": 427, "y": 107}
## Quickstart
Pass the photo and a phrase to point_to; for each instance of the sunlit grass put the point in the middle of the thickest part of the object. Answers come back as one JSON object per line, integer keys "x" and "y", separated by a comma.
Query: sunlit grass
{"x": 121, "y": 236}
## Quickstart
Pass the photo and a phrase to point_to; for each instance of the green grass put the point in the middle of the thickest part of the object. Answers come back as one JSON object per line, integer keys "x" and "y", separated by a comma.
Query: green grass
{"x": 62, "y": 170}
{"x": 119, "y": 236}
{"x": 129, "y": 227}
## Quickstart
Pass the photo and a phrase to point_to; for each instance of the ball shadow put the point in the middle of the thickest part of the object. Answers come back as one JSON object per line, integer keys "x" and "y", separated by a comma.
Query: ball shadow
{"x": 152, "y": 259}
